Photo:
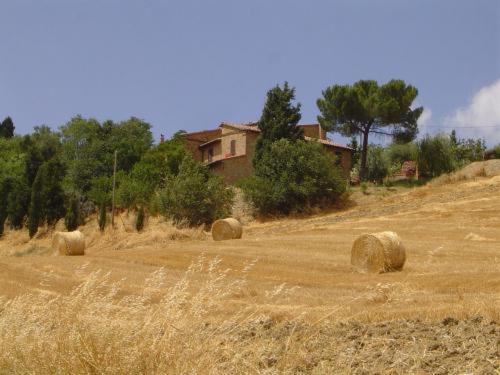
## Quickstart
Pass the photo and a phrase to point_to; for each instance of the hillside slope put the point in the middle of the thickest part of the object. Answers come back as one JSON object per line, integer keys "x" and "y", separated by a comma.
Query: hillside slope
{"x": 451, "y": 231}
{"x": 281, "y": 300}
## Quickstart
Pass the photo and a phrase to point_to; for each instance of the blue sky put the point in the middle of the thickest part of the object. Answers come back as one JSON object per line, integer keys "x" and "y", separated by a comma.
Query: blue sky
{"x": 192, "y": 64}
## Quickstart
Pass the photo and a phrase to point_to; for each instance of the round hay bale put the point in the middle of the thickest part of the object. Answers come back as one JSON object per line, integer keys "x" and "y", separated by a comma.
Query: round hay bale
{"x": 226, "y": 229}
{"x": 378, "y": 253}
{"x": 69, "y": 243}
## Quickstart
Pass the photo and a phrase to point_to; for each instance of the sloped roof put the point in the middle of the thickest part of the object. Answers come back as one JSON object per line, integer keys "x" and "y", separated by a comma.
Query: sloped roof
{"x": 253, "y": 127}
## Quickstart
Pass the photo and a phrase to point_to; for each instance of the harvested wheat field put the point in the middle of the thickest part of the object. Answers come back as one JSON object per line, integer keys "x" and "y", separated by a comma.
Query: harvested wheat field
{"x": 283, "y": 299}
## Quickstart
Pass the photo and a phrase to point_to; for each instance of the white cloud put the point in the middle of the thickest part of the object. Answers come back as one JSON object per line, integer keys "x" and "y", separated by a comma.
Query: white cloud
{"x": 482, "y": 115}
{"x": 424, "y": 120}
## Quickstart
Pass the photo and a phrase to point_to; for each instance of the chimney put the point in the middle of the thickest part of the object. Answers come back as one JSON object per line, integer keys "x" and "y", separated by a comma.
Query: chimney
{"x": 162, "y": 138}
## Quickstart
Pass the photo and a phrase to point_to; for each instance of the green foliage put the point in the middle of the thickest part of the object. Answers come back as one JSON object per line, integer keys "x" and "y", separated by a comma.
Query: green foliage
{"x": 494, "y": 152}
{"x": 72, "y": 218}
{"x": 139, "y": 223}
{"x": 88, "y": 148}
{"x": 467, "y": 150}
{"x": 7, "y": 128}
{"x": 364, "y": 187}
{"x": 377, "y": 163}
{"x": 35, "y": 213}
{"x": 100, "y": 190}
{"x": 356, "y": 150}
{"x": 398, "y": 153}
{"x": 293, "y": 176}
{"x": 53, "y": 195}
{"x": 18, "y": 202}
{"x": 150, "y": 173}
{"x": 365, "y": 107}
{"x": 131, "y": 192}
{"x": 102, "y": 217}
{"x": 436, "y": 155}
{"x": 279, "y": 119}
{"x": 195, "y": 195}
{"x": 5, "y": 187}
{"x": 47, "y": 197}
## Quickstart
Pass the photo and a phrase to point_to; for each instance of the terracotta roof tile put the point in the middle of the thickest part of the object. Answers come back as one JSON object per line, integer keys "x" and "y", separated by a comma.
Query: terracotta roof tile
{"x": 253, "y": 127}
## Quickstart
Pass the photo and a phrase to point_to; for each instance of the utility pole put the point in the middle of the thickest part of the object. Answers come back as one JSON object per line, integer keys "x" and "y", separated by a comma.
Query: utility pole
{"x": 113, "y": 196}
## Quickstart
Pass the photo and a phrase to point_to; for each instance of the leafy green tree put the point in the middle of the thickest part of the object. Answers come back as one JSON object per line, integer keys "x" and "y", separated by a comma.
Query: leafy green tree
{"x": 5, "y": 187}
{"x": 150, "y": 173}
{"x": 365, "y": 108}
{"x": 398, "y": 153}
{"x": 279, "y": 119}
{"x": 53, "y": 194}
{"x": 72, "y": 218}
{"x": 18, "y": 202}
{"x": 377, "y": 163}
{"x": 100, "y": 191}
{"x": 102, "y": 217}
{"x": 356, "y": 150}
{"x": 36, "y": 213}
{"x": 467, "y": 150}
{"x": 436, "y": 155}
{"x": 294, "y": 176}
{"x": 7, "y": 128}
{"x": 88, "y": 148}
{"x": 131, "y": 138}
{"x": 139, "y": 223}
{"x": 195, "y": 196}
{"x": 494, "y": 153}
{"x": 47, "y": 196}
{"x": 84, "y": 150}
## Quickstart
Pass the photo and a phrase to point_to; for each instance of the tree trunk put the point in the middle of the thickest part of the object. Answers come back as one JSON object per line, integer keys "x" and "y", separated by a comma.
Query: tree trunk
{"x": 364, "y": 153}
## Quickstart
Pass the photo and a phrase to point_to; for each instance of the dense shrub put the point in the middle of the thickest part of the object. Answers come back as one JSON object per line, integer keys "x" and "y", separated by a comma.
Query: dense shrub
{"x": 102, "y": 217}
{"x": 399, "y": 153}
{"x": 436, "y": 155}
{"x": 139, "y": 222}
{"x": 5, "y": 186}
{"x": 293, "y": 176}
{"x": 495, "y": 152}
{"x": 71, "y": 220}
{"x": 195, "y": 196}
{"x": 377, "y": 163}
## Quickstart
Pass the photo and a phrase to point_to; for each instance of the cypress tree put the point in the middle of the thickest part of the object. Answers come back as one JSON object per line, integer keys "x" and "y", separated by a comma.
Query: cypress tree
{"x": 35, "y": 212}
{"x": 139, "y": 224}
{"x": 102, "y": 217}
{"x": 18, "y": 203}
{"x": 4, "y": 192}
{"x": 279, "y": 119}
{"x": 53, "y": 195}
{"x": 7, "y": 128}
{"x": 72, "y": 215}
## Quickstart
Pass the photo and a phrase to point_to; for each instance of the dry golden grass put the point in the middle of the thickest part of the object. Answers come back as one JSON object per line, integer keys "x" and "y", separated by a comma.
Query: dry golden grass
{"x": 281, "y": 300}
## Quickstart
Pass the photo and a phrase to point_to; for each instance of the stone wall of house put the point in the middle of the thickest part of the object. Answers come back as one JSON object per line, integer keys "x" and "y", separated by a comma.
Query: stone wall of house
{"x": 343, "y": 158}
{"x": 215, "y": 149}
{"x": 194, "y": 140}
{"x": 238, "y": 165}
{"x": 233, "y": 135}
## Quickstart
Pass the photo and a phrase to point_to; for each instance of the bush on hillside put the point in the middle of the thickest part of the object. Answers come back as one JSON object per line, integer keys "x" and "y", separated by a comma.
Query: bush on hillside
{"x": 399, "y": 153}
{"x": 436, "y": 155}
{"x": 292, "y": 177}
{"x": 494, "y": 153}
{"x": 377, "y": 163}
{"x": 71, "y": 220}
{"x": 102, "y": 217}
{"x": 5, "y": 186}
{"x": 195, "y": 196}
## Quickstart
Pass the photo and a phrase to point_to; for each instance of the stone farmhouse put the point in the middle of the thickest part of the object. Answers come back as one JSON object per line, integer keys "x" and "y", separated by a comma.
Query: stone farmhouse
{"x": 229, "y": 149}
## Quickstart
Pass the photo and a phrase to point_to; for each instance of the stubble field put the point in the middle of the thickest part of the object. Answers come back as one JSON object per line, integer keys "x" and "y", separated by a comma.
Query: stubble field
{"x": 281, "y": 300}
